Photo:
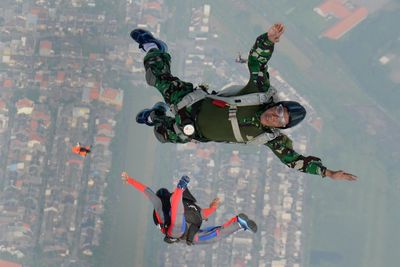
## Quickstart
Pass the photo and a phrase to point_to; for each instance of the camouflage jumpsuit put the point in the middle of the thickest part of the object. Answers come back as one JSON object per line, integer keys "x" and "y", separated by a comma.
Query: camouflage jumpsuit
{"x": 212, "y": 121}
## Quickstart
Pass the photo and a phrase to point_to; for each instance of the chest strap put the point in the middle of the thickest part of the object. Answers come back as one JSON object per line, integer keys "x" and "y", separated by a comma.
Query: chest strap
{"x": 252, "y": 99}
{"x": 258, "y": 140}
{"x": 263, "y": 138}
{"x": 188, "y": 100}
{"x": 235, "y": 124}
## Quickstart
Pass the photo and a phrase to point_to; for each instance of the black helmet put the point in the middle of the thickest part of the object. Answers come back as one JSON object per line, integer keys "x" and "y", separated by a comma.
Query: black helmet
{"x": 165, "y": 196}
{"x": 296, "y": 112}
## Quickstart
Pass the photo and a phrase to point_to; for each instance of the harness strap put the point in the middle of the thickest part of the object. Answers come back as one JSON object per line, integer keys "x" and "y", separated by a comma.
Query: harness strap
{"x": 239, "y": 101}
{"x": 189, "y": 99}
{"x": 179, "y": 132}
{"x": 234, "y": 123}
{"x": 264, "y": 137}
{"x": 183, "y": 136}
{"x": 253, "y": 99}
{"x": 233, "y": 102}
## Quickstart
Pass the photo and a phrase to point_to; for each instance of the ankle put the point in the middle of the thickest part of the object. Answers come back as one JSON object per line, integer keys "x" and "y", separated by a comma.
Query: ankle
{"x": 148, "y": 46}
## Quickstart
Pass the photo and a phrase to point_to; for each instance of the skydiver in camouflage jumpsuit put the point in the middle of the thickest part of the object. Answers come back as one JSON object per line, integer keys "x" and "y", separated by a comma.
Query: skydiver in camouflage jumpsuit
{"x": 210, "y": 117}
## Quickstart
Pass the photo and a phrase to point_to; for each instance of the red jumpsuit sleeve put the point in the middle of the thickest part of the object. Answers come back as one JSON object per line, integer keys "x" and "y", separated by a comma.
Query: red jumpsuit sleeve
{"x": 206, "y": 212}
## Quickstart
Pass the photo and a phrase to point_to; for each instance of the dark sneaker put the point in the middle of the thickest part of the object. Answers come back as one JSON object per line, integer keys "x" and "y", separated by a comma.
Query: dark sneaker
{"x": 160, "y": 108}
{"x": 246, "y": 223}
{"x": 143, "y": 36}
{"x": 146, "y": 115}
{"x": 183, "y": 182}
{"x": 143, "y": 117}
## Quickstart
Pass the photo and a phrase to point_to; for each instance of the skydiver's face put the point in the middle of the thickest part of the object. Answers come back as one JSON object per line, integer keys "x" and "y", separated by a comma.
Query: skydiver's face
{"x": 276, "y": 117}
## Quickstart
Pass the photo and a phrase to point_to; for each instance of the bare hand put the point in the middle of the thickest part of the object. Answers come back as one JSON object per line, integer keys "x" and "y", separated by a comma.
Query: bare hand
{"x": 340, "y": 175}
{"x": 275, "y": 32}
{"x": 124, "y": 177}
{"x": 215, "y": 203}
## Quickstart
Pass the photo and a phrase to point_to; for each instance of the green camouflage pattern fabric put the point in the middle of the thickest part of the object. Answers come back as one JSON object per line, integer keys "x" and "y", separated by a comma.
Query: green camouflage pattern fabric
{"x": 157, "y": 65}
{"x": 282, "y": 146}
{"x": 164, "y": 130}
{"x": 259, "y": 56}
{"x": 158, "y": 74}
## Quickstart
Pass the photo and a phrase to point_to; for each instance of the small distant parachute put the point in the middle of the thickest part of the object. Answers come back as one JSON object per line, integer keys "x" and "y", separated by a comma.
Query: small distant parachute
{"x": 81, "y": 150}
{"x": 239, "y": 59}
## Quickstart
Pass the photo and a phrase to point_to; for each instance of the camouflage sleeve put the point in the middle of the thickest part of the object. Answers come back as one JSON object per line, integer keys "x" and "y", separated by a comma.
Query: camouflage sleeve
{"x": 257, "y": 62}
{"x": 283, "y": 148}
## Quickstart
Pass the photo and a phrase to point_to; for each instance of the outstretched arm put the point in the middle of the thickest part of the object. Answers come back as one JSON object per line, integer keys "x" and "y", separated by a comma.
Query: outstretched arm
{"x": 260, "y": 54}
{"x": 206, "y": 212}
{"x": 155, "y": 200}
{"x": 282, "y": 147}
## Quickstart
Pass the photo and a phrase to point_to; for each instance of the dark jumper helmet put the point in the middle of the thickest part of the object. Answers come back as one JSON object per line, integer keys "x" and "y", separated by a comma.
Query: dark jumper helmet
{"x": 296, "y": 112}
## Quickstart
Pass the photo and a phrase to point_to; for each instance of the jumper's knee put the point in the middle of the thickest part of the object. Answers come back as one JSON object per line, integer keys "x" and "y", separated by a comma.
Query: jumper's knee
{"x": 150, "y": 77}
{"x": 156, "y": 66}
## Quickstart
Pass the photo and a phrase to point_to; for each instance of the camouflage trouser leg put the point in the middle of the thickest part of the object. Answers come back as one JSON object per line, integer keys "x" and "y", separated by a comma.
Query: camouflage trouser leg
{"x": 164, "y": 130}
{"x": 158, "y": 74}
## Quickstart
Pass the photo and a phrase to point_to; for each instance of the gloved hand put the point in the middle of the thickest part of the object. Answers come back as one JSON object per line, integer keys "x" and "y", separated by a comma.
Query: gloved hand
{"x": 215, "y": 203}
